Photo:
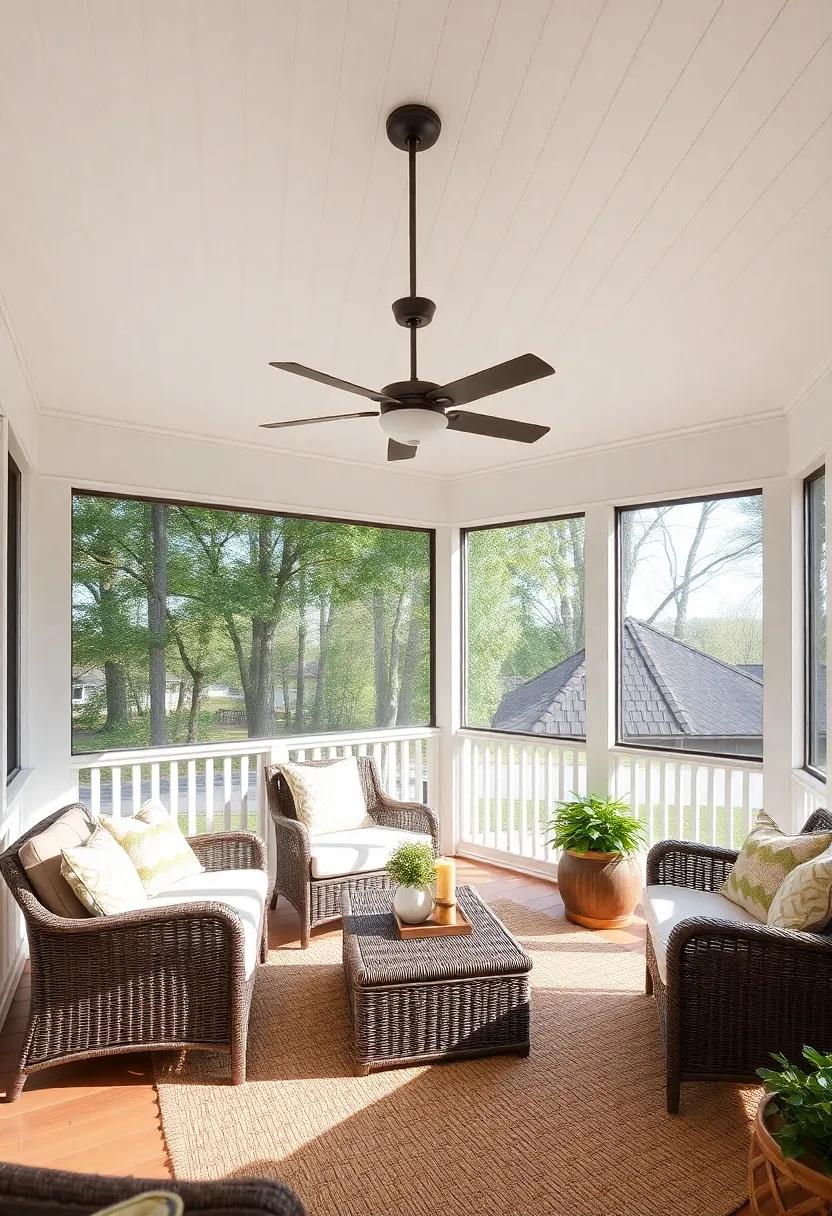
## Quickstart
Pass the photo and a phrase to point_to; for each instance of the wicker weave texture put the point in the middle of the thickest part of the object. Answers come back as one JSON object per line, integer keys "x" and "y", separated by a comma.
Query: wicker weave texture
{"x": 28, "y": 1191}
{"x": 154, "y": 978}
{"x": 432, "y": 998}
{"x": 735, "y": 992}
{"x": 319, "y": 900}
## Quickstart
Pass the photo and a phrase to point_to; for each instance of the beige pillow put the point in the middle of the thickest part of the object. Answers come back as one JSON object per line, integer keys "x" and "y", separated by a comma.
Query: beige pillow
{"x": 327, "y": 797}
{"x": 41, "y": 858}
{"x": 103, "y": 876}
{"x": 149, "y": 1203}
{"x": 804, "y": 899}
{"x": 765, "y": 860}
{"x": 153, "y": 841}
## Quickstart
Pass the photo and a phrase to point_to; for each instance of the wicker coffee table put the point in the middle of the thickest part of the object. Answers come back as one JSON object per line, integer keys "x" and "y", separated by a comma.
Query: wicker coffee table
{"x": 432, "y": 998}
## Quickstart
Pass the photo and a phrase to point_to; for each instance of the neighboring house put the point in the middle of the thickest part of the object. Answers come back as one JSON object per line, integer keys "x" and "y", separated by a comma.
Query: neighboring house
{"x": 86, "y": 684}
{"x": 673, "y": 696}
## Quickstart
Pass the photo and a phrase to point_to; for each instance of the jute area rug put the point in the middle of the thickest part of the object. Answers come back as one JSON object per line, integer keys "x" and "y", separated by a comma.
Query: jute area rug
{"x": 578, "y": 1129}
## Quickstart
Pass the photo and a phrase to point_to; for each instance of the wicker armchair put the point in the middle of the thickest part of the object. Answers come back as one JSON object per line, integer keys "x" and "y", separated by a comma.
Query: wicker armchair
{"x": 153, "y": 979}
{"x": 734, "y": 992}
{"x": 319, "y": 900}
{"x": 31, "y": 1191}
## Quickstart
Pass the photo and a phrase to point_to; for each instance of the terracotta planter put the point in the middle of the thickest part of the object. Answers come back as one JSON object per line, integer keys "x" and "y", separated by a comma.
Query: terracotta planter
{"x": 599, "y": 890}
{"x": 777, "y": 1185}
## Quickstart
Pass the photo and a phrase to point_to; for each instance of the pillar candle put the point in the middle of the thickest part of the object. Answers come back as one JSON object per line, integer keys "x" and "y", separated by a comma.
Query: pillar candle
{"x": 446, "y": 881}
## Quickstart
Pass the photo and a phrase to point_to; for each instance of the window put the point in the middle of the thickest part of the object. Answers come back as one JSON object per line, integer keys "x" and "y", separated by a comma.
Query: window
{"x": 690, "y": 628}
{"x": 195, "y": 623}
{"x": 524, "y": 628}
{"x": 12, "y": 620}
{"x": 815, "y": 557}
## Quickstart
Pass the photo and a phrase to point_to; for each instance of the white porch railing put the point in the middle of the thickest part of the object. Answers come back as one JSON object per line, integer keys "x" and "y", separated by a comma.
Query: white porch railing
{"x": 509, "y": 787}
{"x": 690, "y": 797}
{"x": 808, "y": 795}
{"x": 219, "y": 786}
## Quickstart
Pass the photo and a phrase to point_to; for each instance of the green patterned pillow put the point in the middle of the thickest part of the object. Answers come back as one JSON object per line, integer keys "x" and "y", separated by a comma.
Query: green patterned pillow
{"x": 804, "y": 900}
{"x": 765, "y": 860}
{"x": 154, "y": 843}
{"x": 103, "y": 876}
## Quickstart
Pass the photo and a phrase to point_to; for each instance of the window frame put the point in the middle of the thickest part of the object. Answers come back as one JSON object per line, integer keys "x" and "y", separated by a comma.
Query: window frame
{"x": 809, "y": 706}
{"x": 620, "y": 742}
{"x": 210, "y": 505}
{"x": 464, "y": 533}
{"x": 14, "y": 499}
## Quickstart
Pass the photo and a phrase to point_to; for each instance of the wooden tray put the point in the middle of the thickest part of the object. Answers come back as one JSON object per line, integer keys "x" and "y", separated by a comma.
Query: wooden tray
{"x": 442, "y": 922}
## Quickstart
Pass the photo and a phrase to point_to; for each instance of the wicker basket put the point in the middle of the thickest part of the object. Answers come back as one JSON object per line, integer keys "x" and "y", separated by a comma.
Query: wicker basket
{"x": 780, "y": 1186}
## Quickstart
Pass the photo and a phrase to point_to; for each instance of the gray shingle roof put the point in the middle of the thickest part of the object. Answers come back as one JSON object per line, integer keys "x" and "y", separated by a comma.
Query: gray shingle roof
{"x": 670, "y": 689}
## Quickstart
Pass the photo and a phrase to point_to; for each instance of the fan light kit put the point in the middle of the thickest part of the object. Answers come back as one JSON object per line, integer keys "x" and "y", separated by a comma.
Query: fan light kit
{"x": 411, "y": 411}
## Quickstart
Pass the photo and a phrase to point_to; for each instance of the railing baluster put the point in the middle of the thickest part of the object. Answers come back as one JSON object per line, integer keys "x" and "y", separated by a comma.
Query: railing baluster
{"x": 95, "y": 791}
{"x": 209, "y": 794}
{"x": 712, "y": 801}
{"x": 173, "y": 789}
{"x": 136, "y": 787}
{"x": 226, "y": 793}
{"x": 244, "y": 793}
{"x": 154, "y": 780}
{"x": 115, "y": 791}
{"x": 192, "y": 797}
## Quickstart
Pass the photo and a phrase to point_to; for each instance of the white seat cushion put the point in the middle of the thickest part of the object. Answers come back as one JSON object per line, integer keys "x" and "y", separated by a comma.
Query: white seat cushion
{"x": 242, "y": 890}
{"x": 358, "y": 851}
{"x": 665, "y": 906}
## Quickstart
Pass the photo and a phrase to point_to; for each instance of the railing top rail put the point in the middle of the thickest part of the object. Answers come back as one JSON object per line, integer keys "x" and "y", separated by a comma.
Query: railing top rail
{"x": 694, "y": 758}
{"x": 246, "y": 747}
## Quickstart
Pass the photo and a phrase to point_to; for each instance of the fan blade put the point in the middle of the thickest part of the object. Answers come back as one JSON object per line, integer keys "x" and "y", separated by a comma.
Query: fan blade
{"x": 496, "y": 428}
{"x": 399, "y": 451}
{"x": 298, "y": 369}
{"x": 272, "y": 426}
{"x": 493, "y": 380}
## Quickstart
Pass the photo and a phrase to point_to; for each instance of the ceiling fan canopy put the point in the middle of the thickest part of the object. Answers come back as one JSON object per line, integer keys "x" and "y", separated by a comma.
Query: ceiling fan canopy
{"x": 411, "y": 411}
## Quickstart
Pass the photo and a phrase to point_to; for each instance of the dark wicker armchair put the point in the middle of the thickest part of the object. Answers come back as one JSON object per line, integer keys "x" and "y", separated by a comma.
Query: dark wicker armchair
{"x": 319, "y": 900}
{"x": 29, "y": 1191}
{"x": 153, "y": 979}
{"x": 734, "y": 992}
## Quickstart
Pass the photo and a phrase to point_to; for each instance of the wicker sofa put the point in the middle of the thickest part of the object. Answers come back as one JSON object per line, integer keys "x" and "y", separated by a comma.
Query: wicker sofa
{"x": 318, "y": 900}
{"x": 729, "y": 993}
{"x": 29, "y": 1191}
{"x": 158, "y": 978}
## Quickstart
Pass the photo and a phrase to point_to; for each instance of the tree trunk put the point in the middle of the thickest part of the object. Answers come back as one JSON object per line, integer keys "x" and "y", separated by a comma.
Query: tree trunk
{"x": 115, "y": 687}
{"x": 300, "y": 678}
{"x": 324, "y": 626}
{"x": 180, "y": 697}
{"x": 690, "y": 564}
{"x": 157, "y": 597}
{"x": 394, "y": 675}
{"x": 411, "y": 665}
{"x": 193, "y": 716}
{"x": 379, "y": 657}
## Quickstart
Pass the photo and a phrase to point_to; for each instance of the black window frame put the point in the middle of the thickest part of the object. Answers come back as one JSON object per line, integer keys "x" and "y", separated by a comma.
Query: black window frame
{"x": 809, "y": 706}
{"x": 620, "y": 742}
{"x": 13, "y": 585}
{"x": 174, "y": 501}
{"x": 463, "y": 649}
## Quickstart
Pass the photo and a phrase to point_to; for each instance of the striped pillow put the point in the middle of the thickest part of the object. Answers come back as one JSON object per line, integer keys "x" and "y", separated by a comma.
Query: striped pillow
{"x": 154, "y": 843}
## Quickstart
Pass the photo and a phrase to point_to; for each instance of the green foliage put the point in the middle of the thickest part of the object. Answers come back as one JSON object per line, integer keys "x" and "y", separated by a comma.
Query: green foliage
{"x": 412, "y": 865}
{"x": 598, "y": 825}
{"x": 803, "y": 1100}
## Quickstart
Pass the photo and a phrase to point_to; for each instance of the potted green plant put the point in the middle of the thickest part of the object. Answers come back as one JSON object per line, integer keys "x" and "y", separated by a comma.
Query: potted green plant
{"x": 599, "y": 875}
{"x": 792, "y": 1146}
{"x": 412, "y": 868}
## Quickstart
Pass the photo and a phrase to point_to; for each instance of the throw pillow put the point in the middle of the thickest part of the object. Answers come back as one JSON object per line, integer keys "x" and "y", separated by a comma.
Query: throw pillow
{"x": 765, "y": 860}
{"x": 154, "y": 842}
{"x": 41, "y": 858}
{"x": 804, "y": 900}
{"x": 327, "y": 797}
{"x": 103, "y": 876}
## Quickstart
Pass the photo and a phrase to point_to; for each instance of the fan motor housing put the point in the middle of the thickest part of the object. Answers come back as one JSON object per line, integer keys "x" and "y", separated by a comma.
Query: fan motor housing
{"x": 410, "y": 393}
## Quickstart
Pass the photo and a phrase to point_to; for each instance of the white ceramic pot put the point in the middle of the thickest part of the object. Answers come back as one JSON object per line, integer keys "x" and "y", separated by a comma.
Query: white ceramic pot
{"x": 413, "y": 904}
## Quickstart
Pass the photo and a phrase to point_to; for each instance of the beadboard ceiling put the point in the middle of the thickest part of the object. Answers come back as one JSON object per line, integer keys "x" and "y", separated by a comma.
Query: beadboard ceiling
{"x": 639, "y": 192}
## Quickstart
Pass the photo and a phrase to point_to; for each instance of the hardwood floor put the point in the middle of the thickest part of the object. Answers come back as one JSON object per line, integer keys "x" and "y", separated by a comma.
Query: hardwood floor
{"x": 101, "y": 1116}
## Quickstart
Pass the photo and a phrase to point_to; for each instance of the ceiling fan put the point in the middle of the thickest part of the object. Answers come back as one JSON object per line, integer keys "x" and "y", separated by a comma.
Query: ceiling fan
{"x": 412, "y": 410}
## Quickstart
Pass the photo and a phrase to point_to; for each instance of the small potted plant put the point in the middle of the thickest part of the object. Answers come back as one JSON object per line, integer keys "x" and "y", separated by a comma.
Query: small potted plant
{"x": 412, "y": 868}
{"x": 790, "y": 1163}
{"x": 598, "y": 873}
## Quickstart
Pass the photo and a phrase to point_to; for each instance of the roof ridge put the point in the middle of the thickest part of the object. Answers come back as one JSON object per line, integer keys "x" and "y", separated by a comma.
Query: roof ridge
{"x": 701, "y": 654}
{"x": 667, "y": 693}
{"x": 566, "y": 687}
